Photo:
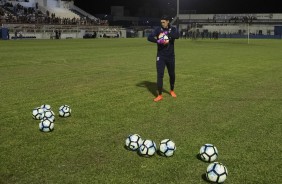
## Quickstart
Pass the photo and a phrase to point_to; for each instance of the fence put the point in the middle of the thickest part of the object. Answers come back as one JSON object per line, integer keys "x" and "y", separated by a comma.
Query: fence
{"x": 41, "y": 31}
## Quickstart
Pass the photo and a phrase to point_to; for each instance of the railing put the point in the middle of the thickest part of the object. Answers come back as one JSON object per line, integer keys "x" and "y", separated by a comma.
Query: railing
{"x": 42, "y": 31}
{"x": 42, "y": 9}
{"x": 42, "y": 27}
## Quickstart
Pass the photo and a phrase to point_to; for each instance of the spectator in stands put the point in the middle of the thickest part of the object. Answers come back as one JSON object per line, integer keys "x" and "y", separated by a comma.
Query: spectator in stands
{"x": 183, "y": 34}
{"x": 21, "y": 14}
{"x": 94, "y": 34}
{"x": 57, "y": 34}
{"x": 21, "y": 34}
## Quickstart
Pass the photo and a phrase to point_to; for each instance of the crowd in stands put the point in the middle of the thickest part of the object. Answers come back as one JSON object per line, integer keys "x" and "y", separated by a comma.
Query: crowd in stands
{"x": 10, "y": 13}
{"x": 233, "y": 19}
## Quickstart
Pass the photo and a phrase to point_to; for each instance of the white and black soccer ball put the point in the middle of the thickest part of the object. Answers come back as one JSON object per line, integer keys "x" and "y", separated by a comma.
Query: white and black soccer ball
{"x": 163, "y": 36}
{"x": 216, "y": 172}
{"x": 46, "y": 125}
{"x": 148, "y": 148}
{"x": 208, "y": 153}
{"x": 37, "y": 113}
{"x": 46, "y": 107}
{"x": 48, "y": 114}
{"x": 133, "y": 142}
{"x": 167, "y": 147}
{"x": 64, "y": 111}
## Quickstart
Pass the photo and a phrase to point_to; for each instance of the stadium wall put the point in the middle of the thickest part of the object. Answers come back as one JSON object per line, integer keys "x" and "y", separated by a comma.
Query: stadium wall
{"x": 260, "y": 16}
{"x": 242, "y": 28}
{"x": 236, "y": 29}
{"x": 237, "y": 24}
{"x": 67, "y": 31}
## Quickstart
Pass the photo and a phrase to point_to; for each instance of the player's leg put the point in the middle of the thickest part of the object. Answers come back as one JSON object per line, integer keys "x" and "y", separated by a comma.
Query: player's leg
{"x": 170, "y": 64}
{"x": 160, "y": 63}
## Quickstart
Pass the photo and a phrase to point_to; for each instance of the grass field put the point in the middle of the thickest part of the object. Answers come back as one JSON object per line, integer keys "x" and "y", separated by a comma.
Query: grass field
{"x": 229, "y": 94}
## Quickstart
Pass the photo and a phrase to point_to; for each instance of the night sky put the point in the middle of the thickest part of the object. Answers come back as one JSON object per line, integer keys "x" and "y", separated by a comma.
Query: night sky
{"x": 155, "y": 8}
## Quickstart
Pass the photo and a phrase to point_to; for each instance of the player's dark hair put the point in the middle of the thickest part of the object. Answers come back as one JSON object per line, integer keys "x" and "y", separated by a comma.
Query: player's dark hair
{"x": 165, "y": 17}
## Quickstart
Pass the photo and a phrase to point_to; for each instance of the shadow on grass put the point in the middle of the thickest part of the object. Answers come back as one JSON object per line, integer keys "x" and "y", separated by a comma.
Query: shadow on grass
{"x": 144, "y": 156}
{"x": 128, "y": 149}
{"x": 199, "y": 157}
{"x": 159, "y": 153}
{"x": 151, "y": 87}
{"x": 204, "y": 177}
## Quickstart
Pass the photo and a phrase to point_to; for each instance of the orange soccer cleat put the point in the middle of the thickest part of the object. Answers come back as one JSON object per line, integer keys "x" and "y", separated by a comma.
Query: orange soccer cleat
{"x": 158, "y": 98}
{"x": 173, "y": 94}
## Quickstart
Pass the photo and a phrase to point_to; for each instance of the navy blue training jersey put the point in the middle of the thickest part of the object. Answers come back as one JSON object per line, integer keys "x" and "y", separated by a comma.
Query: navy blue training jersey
{"x": 165, "y": 50}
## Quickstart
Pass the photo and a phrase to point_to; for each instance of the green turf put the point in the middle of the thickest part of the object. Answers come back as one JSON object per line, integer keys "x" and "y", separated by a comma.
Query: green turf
{"x": 229, "y": 94}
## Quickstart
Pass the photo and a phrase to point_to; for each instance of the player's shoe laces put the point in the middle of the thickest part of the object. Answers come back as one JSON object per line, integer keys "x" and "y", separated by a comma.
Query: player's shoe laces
{"x": 173, "y": 94}
{"x": 158, "y": 98}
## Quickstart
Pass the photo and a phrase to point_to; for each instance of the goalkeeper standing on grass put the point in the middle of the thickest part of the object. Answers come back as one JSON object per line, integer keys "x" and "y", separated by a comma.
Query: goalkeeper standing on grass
{"x": 165, "y": 55}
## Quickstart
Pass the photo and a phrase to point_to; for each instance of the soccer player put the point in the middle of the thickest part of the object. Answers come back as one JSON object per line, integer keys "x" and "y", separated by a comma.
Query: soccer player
{"x": 165, "y": 55}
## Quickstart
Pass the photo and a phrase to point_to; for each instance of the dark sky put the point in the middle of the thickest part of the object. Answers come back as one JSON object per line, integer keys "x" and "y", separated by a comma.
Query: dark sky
{"x": 155, "y": 8}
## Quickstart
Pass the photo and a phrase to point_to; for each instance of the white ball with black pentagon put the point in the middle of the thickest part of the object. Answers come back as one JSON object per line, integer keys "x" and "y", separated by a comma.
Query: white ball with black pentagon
{"x": 37, "y": 113}
{"x": 46, "y": 125}
{"x": 148, "y": 148}
{"x": 46, "y": 107}
{"x": 133, "y": 142}
{"x": 167, "y": 147}
{"x": 65, "y": 111}
{"x": 208, "y": 153}
{"x": 48, "y": 114}
{"x": 216, "y": 172}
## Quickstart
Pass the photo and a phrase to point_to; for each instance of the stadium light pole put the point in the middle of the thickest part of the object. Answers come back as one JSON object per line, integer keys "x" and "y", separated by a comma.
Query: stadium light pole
{"x": 177, "y": 14}
{"x": 177, "y": 8}
{"x": 248, "y": 32}
{"x": 248, "y": 21}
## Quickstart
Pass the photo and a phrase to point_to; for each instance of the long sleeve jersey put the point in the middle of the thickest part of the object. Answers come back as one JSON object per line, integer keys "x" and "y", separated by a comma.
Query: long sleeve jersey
{"x": 165, "y": 50}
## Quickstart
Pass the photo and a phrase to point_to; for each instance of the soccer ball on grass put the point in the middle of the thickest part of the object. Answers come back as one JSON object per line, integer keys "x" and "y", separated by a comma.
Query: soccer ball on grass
{"x": 46, "y": 107}
{"x": 48, "y": 114}
{"x": 167, "y": 147}
{"x": 133, "y": 142}
{"x": 148, "y": 148}
{"x": 208, "y": 153}
{"x": 46, "y": 125}
{"x": 216, "y": 172}
{"x": 64, "y": 111}
{"x": 37, "y": 113}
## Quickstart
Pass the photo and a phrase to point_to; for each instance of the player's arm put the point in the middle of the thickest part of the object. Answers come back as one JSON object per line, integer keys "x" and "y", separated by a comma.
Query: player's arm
{"x": 173, "y": 33}
{"x": 153, "y": 36}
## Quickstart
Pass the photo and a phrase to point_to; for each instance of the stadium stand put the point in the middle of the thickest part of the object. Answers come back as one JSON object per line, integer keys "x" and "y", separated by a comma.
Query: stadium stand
{"x": 53, "y": 12}
{"x": 43, "y": 18}
{"x": 230, "y": 25}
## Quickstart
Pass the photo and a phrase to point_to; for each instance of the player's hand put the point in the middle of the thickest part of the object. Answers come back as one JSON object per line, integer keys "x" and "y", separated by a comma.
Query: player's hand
{"x": 160, "y": 41}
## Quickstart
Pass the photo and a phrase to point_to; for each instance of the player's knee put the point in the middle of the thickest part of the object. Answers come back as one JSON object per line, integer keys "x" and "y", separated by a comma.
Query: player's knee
{"x": 171, "y": 74}
{"x": 160, "y": 75}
